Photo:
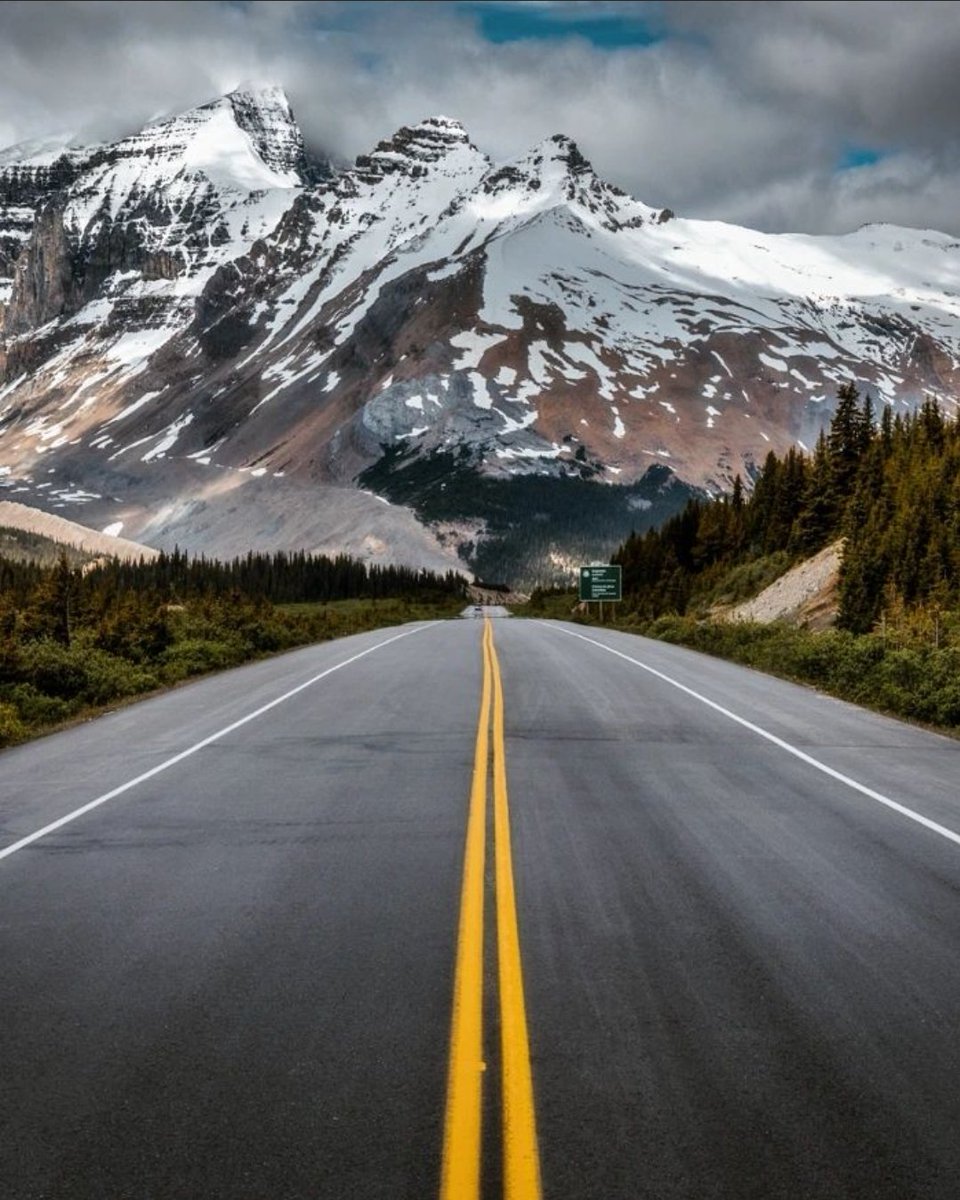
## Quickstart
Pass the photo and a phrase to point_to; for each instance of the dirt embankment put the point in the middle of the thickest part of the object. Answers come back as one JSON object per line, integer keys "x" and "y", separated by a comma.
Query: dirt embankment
{"x": 805, "y": 595}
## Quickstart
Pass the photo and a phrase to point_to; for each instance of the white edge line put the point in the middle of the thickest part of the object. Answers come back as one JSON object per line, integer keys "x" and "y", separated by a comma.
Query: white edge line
{"x": 944, "y": 832}
{"x": 170, "y": 762}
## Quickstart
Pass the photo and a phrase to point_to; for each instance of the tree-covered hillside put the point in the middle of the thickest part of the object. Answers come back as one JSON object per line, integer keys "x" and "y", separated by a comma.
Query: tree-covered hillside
{"x": 890, "y": 487}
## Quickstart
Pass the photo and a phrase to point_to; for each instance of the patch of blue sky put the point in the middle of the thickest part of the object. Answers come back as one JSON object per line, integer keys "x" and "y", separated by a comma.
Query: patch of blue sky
{"x": 604, "y": 28}
{"x": 854, "y": 156}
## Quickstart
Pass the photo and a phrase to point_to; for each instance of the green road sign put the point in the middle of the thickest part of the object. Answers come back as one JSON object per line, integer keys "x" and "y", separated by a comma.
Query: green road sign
{"x": 600, "y": 583}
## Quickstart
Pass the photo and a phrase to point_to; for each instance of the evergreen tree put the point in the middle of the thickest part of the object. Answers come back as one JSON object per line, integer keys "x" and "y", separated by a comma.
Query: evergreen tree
{"x": 886, "y": 430}
{"x": 847, "y": 441}
{"x": 817, "y": 518}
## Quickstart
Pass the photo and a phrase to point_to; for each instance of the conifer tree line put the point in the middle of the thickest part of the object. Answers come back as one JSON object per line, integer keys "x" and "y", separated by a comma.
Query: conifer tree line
{"x": 280, "y": 578}
{"x": 176, "y": 578}
{"x": 889, "y": 486}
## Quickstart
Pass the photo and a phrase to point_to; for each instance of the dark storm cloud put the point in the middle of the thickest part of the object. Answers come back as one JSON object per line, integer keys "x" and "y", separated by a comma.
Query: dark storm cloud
{"x": 743, "y": 111}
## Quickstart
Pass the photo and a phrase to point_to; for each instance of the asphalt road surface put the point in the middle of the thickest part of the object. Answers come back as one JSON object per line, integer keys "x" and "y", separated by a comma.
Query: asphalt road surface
{"x": 339, "y": 924}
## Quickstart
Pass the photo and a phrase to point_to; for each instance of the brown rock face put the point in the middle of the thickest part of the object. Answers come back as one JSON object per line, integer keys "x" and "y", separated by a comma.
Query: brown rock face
{"x": 44, "y": 286}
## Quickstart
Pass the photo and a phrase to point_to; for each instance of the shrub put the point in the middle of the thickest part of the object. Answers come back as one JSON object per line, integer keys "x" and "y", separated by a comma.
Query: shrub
{"x": 110, "y": 678}
{"x": 193, "y": 656}
{"x": 35, "y": 708}
{"x": 53, "y": 668}
{"x": 12, "y": 729}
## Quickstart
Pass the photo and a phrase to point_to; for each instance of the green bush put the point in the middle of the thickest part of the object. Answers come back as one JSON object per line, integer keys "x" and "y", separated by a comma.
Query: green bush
{"x": 110, "y": 678}
{"x": 36, "y": 708}
{"x": 12, "y": 729}
{"x": 193, "y": 656}
{"x": 946, "y": 707}
{"x": 80, "y": 673}
{"x": 52, "y": 668}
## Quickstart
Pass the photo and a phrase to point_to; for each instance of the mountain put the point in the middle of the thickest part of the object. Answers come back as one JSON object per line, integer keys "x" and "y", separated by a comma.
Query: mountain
{"x": 213, "y": 339}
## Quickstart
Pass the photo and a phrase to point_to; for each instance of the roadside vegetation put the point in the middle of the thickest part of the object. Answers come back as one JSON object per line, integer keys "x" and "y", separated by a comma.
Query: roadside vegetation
{"x": 74, "y": 641}
{"x": 891, "y": 490}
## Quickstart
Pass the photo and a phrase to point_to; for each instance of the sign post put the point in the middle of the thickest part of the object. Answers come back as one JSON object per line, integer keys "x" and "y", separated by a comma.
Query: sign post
{"x": 600, "y": 583}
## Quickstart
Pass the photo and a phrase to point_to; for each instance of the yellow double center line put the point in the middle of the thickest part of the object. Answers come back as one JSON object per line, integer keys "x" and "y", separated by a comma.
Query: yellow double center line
{"x": 460, "y": 1176}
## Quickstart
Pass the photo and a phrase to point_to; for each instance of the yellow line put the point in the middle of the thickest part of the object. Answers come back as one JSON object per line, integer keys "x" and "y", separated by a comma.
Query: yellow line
{"x": 460, "y": 1172}
{"x": 521, "y": 1160}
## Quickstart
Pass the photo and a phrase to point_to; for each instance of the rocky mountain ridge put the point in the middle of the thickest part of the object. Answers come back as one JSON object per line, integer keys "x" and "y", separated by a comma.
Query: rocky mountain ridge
{"x": 213, "y": 340}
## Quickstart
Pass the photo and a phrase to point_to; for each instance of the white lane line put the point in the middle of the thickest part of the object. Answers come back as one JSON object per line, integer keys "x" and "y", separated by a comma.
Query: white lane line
{"x": 171, "y": 762}
{"x": 902, "y": 809}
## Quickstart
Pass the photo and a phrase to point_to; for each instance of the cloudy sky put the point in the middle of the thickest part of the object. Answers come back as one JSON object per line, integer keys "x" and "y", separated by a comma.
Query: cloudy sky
{"x": 814, "y": 116}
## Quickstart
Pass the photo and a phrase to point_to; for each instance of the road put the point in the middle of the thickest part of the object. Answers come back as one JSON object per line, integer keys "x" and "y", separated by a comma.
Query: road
{"x": 709, "y": 920}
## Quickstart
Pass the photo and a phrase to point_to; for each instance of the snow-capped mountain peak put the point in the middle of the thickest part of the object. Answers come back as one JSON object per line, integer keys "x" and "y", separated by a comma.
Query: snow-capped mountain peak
{"x": 244, "y": 141}
{"x": 437, "y": 145}
{"x": 556, "y": 174}
{"x": 266, "y": 116}
{"x": 558, "y": 148}
{"x": 173, "y": 201}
